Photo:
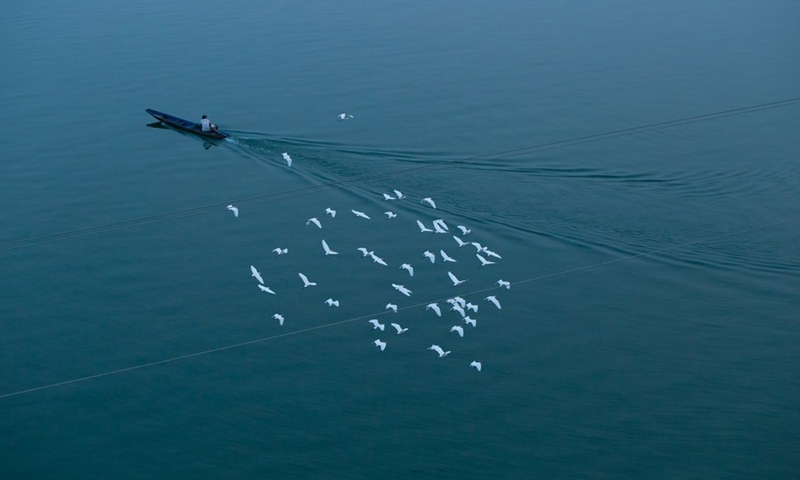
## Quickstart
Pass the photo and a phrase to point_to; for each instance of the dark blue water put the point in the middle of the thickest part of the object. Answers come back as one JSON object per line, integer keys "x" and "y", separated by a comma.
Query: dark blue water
{"x": 651, "y": 327}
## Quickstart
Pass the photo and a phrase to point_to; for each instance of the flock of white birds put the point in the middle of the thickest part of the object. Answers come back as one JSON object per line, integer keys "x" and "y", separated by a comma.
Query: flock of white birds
{"x": 459, "y": 308}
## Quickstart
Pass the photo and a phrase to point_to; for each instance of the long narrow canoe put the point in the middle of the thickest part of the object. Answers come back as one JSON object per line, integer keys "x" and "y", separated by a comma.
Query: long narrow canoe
{"x": 184, "y": 125}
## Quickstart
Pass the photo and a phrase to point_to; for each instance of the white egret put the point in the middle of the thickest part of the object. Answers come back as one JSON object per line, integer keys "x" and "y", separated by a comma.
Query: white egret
{"x": 423, "y": 228}
{"x": 327, "y": 249}
{"x": 458, "y": 329}
{"x": 376, "y": 324}
{"x": 484, "y": 262}
{"x": 429, "y": 201}
{"x": 494, "y": 300}
{"x": 446, "y": 257}
{"x": 360, "y": 214}
{"x": 257, "y": 274}
{"x": 455, "y": 280}
{"x": 438, "y": 349}
{"x": 399, "y": 328}
{"x": 306, "y": 283}
{"x": 402, "y": 289}
{"x": 435, "y": 308}
{"x": 315, "y": 221}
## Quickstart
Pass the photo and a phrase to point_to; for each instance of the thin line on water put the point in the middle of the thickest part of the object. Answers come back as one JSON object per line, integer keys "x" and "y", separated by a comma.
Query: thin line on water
{"x": 353, "y": 319}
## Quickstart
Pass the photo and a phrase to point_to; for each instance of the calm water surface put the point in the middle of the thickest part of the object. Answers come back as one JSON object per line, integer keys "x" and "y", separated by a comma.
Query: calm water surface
{"x": 651, "y": 329}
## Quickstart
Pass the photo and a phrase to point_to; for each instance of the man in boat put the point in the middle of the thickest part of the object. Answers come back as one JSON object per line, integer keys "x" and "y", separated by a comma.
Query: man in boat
{"x": 207, "y": 126}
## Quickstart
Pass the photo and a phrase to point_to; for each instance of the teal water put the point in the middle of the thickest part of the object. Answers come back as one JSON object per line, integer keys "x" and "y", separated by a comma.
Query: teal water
{"x": 651, "y": 328}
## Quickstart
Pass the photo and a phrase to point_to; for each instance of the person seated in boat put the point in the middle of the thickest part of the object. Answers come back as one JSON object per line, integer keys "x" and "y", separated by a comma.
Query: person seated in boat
{"x": 206, "y": 125}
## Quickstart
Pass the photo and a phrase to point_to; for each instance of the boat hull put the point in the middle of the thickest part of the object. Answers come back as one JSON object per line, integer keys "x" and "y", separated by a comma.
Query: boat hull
{"x": 185, "y": 125}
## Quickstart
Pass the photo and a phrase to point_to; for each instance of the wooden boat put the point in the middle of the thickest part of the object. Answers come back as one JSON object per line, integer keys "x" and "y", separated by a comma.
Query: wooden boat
{"x": 185, "y": 125}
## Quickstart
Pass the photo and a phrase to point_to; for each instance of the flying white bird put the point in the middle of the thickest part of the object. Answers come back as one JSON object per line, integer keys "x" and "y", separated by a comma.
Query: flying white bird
{"x": 484, "y": 262}
{"x": 279, "y": 318}
{"x": 390, "y": 214}
{"x": 423, "y": 228}
{"x": 287, "y": 158}
{"x": 377, "y": 259}
{"x": 280, "y": 251}
{"x": 376, "y": 324}
{"x": 458, "y": 329}
{"x": 475, "y": 364}
{"x": 455, "y": 280}
{"x": 392, "y": 307}
{"x": 379, "y": 344}
{"x": 464, "y": 230}
{"x": 441, "y": 225}
{"x": 360, "y": 214}
{"x": 345, "y": 116}
{"x": 437, "y": 227}
{"x": 265, "y": 289}
{"x": 494, "y": 300}
{"x": 435, "y": 308}
{"x": 332, "y": 303}
{"x": 408, "y": 268}
{"x": 446, "y": 257}
{"x": 429, "y": 201}
{"x": 402, "y": 289}
{"x": 459, "y": 301}
{"x": 490, "y": 253}
{"x": 330, "y": 212}
{"x": 458, "y": 308}
{"x": 314, "y": 221}
{"x": 471, "y": 306}
{"x": 234, "y": 210}
{"x": 386, "y": 196}
{"x": 306, "y": 283}
{"x": 438, "y": 349}
{"x": 460, "y": 242}
{"x": 504, "y": 283}
{"x": 399, "y": 328}
{"x": 363, "y": 250}
{"x": 430, "y": 256}
{"x": 256, "y": 274}
{"x": 399, "y": 194}
{"x": 470, "y": 321}
{"x": 327, "y": 249}
{"x": 478, "y": 246}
